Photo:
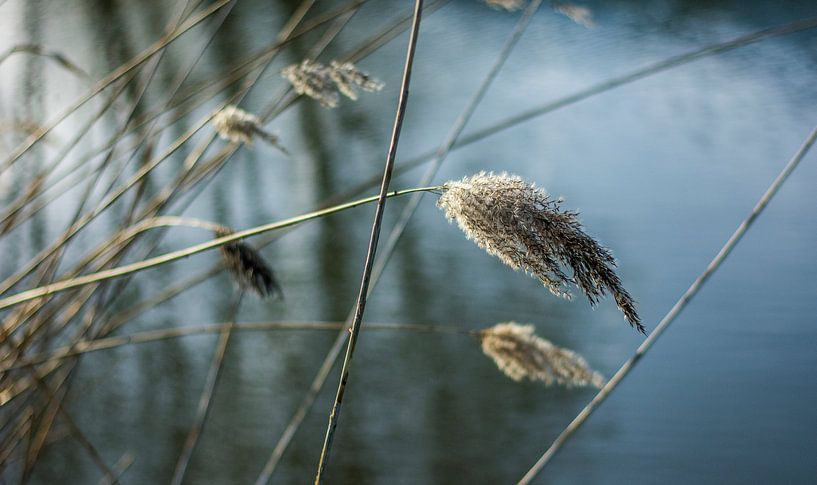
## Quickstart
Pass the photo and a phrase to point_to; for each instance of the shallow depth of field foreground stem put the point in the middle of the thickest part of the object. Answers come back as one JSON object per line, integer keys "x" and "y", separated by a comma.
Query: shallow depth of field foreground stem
{"x": 378, "y": 219}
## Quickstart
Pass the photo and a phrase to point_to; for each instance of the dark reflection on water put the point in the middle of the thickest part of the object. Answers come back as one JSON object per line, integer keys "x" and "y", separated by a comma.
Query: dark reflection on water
{"x": 662, "y": 170}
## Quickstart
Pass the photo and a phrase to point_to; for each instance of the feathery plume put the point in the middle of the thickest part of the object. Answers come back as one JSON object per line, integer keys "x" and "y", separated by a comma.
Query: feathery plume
{"x": 509, "y": 5}
{"x": 324, "y": 83}
{"x": 248, "y": 267}
{"x": 520, "y": 353}
{"x": 580, "y": 15}
{"x": 527, "y": 230}
{"x": 347, "y": 77}
{"x": 236, "y": 125}
{"x": 312, "y": 79}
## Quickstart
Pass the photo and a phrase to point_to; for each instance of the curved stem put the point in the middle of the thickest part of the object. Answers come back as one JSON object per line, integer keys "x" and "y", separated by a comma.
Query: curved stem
{"x": 189, "y": 251}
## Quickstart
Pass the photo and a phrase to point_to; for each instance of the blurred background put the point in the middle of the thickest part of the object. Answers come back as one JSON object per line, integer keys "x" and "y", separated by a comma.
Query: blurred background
{"x": 662, "y": 169}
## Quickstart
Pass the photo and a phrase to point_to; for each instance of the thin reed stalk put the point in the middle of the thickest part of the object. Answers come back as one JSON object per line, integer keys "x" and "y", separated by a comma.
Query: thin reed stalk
{"x": 183, "y": 253}
{"x": 105, "y": 203}
{"x": 206, "y": 397}
{"x": 15, "y": 436}
{"x": 118, "y": 73}
{"x": 152, "y": 69}
{"x": 38, "y": 50}
{"x": 178, "y": 113}
{"x": 676, "y": 310}
{"x": 88, "y": 346}
{"x": 8, "y": 217}
{"x": 87, "y": 293}
{"x": 394, "y": 236}
{"x": 375, "y": 235}
{"x": 390, "y": 33}
{"x": 221, "y": 158}
{"x": 77, "y": 433}
{"x": 119, "y": 468}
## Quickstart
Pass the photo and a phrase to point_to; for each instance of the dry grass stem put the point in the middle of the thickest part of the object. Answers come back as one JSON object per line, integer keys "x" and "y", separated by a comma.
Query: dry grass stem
{"x": 39, "y": 50}
{"x": 360, "y": 305}
{"x": 521, "y": 354}
{"x": 248, "y": 267}
{"x": 326, "y": 83}
{"x": 527, "y": 230}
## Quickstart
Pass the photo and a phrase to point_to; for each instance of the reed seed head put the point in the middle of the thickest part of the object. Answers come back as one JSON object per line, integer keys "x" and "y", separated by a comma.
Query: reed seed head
{"x": 527, "y": 230}
{"x": 236, "y": 125}
{"x": 313, "y": 80}
{"x": 521, "y": 354}
{"x": 326, "y": 83}
{"x": 509, "y": 5}
{"x": 248, "y": 267}
{"x": 347, "y": 78}
{"x": 580, "y": 15}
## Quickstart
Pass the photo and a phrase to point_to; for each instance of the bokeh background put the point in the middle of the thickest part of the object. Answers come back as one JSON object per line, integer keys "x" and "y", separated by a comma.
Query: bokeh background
{"x": 662, "y": 171}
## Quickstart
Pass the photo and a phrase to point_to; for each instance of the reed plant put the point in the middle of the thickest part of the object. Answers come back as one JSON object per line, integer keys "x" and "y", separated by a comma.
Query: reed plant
{"x": 70, "y": 298}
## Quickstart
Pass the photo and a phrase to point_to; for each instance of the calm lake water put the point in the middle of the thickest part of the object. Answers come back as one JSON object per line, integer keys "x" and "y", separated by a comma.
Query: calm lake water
{"x": 662, "y": 170}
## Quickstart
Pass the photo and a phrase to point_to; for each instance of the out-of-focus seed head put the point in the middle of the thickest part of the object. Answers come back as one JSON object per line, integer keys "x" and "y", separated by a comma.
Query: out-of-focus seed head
{"x": 521, "y": 354}
{"x": 236, "y": 125}
{"x": 248, "y": 267}
{"x": 324, "y": 83}
{"x": 527, "y": 230}
{"x": 580, "y": 15}
{"x": 346, "y": 76}
{"x": 509, "y": 5}
{"x": 312, "y": 79}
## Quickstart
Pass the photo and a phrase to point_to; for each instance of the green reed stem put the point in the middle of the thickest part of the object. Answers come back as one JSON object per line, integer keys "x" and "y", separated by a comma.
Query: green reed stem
{"x": 183, "y": 253}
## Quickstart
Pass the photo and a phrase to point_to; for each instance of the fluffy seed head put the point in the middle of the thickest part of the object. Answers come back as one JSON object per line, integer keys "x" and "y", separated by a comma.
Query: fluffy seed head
{"x": 527, "y": 230}
{"x": 248, "y": 267}
{"x": 520, "y": 354}
{"x": 236, "y": 125}
{"x": 509, "y": 5}
{"x": 324, "y": 83}
{"x": 312, "y": 79}
{"x": 580, "y": 15}
{"x": 347, "y": 77}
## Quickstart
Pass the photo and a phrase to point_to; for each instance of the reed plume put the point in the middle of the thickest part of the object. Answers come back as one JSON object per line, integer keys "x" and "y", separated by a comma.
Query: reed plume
{"x": 527, "y": 230}
{"x": 236, "y": 125}
{"x": 347, "y": 78}
{"x": 580, "y": 15}
{"x": 248, "y": 267}
{"x": 326, "y": 83}
{"x": 521, "y": 354}
{"x": 509, "y": 5}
